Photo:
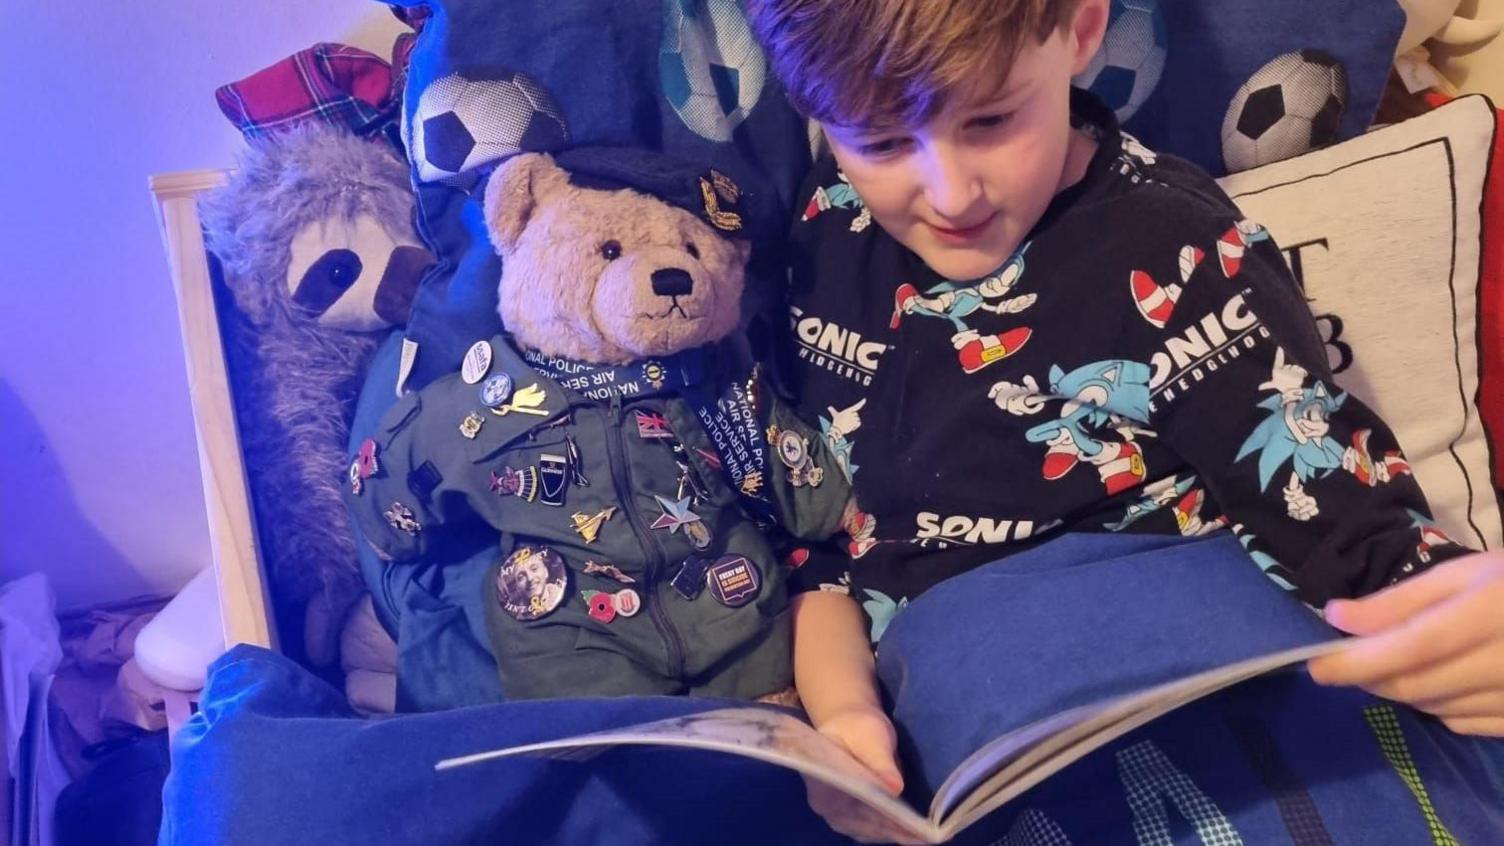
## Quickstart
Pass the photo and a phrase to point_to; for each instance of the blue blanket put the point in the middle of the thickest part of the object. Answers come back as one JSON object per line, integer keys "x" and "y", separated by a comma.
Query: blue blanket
{"x": 276, "y": 756}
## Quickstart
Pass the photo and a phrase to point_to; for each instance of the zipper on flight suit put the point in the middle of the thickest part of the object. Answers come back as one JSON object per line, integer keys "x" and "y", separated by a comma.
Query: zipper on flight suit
{"x": 656, "y": 563}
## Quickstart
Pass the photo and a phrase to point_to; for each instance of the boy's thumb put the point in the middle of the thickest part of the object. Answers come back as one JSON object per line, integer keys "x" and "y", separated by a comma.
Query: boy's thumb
{"x": 879, "y": 760}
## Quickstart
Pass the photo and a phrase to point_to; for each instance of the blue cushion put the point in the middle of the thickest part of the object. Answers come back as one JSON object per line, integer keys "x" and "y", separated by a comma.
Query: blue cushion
{"x": 1211, "y": 48}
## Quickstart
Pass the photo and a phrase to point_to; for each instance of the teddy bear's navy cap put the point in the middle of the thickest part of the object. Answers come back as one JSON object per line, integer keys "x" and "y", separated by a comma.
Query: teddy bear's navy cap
{"x": 702, "y": 191}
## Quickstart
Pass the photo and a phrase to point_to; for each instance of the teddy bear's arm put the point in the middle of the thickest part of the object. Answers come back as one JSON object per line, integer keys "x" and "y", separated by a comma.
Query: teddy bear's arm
{"x": 409, "y": 485}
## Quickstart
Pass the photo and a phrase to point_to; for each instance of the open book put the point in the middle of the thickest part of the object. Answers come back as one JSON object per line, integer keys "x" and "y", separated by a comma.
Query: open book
{"x": 992, "y": 776}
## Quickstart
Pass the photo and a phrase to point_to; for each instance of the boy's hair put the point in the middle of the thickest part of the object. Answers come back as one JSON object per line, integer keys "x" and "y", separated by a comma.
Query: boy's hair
{"x": 894, "y": 62}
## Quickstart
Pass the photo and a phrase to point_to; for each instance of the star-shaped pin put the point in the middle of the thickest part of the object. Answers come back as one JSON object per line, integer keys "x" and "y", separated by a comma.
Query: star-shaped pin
{"x": 675, "y": 514}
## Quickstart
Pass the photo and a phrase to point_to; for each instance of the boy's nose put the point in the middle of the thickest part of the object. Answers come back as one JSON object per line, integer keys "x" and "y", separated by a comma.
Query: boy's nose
{"x": 952, "y": 191}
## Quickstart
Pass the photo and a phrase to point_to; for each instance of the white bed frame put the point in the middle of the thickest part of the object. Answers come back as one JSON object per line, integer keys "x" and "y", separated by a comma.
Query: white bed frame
{"x": 243, "y": 597}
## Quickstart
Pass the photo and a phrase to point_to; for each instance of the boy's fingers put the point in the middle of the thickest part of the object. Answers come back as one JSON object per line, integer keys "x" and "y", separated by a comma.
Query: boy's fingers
{"x": 1482, "y": 726}
{"x": 839, "y": 811}
{"x": 853, "y": 818}
{"x": 1459, "y": 677}
{"x": 1439, "y": 634}
{"x": 1488, "y": 704}
{"x": 1396, "y": 604}
{"x": 836, "y": 809}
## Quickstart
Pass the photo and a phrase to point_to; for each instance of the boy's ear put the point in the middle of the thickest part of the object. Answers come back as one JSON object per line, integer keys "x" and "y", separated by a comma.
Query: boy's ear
{"x": 819, "y": 143}
{"x": 513, "y": 193}
{"x": 1087, "y": 28}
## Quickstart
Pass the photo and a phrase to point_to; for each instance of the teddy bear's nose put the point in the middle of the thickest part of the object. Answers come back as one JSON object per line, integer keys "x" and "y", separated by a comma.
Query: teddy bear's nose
{"x": 672, "y": 282}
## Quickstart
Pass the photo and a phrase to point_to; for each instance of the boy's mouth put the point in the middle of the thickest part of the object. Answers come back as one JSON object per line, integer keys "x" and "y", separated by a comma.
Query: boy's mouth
{"x": 963, "y": 235}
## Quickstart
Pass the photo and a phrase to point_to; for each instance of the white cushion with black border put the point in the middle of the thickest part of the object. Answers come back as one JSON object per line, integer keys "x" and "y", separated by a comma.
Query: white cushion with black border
{"x": 1384, "y": 233}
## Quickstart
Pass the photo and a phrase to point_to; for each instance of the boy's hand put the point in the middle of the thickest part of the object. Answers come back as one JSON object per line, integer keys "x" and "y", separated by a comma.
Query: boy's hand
{"x": 1435, "y": 642}
{"x": 868, "y": 735}
{"x": 869, "y": 739}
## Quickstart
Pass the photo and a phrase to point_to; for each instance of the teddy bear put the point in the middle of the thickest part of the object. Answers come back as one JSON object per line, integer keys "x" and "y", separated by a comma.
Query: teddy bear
{"x": 615, "y": 438}
{"x": 314, "y": 236}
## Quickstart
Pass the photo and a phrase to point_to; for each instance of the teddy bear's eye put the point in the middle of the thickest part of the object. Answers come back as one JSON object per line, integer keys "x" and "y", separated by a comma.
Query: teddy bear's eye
{"x": 692, "y": 250}
{"x": 611, "y": 250}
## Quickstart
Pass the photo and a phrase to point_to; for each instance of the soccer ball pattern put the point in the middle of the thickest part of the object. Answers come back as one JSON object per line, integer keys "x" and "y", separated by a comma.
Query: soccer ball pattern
{"x": 463, "y": 124}
{"x": 711, "y": 67}
{"x": 1290, "y": 106}
{"x": 1125, "y": 71}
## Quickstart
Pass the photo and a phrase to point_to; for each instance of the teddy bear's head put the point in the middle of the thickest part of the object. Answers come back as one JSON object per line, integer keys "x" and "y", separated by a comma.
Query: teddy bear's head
{"x": 611, "y": 256}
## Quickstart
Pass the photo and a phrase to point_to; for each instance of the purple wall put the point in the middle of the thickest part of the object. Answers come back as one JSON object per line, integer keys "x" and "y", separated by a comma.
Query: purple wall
{"x": 99, "y": 483}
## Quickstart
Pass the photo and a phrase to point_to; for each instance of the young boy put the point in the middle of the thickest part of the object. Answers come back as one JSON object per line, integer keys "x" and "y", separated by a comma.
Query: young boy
{"x": 1051, "y": 329}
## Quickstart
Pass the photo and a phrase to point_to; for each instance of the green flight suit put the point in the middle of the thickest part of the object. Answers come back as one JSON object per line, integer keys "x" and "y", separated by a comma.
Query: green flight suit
{"x": 428, "y": 476}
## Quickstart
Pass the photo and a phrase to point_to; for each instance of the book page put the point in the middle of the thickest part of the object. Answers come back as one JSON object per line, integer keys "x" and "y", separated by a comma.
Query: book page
{"x": 1018, "y": 760}
{"x": 989, "y": 778}
{"x": 758, "y": 733}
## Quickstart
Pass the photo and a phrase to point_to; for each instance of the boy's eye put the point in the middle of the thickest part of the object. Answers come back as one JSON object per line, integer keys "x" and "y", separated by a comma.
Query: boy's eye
{"x": 882, "y": 147}
{"x": 990, "y": 121}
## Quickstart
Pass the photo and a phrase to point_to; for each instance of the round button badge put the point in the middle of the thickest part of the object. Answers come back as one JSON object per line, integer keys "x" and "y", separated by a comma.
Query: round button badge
{"x": 734, "y": 580}
{"x": 531, "y": 583}
{"x": 792, "y": 449}
{"x": 495, "y": 391}
{"x": 477, "y": 362}
{"x": 626, "y": 602}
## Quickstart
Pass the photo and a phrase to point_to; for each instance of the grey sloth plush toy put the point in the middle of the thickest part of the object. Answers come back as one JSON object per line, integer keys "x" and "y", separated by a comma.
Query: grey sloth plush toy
{"x": 314, "y": 233}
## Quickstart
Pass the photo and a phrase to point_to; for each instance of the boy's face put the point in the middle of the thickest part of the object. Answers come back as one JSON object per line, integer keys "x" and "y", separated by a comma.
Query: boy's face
{"x": 963, "y": 190}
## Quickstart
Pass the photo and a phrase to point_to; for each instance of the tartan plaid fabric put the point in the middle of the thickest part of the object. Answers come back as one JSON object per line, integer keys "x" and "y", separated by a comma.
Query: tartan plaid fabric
{"x": 335, "y": 83}
{"x": 402, "y": 54}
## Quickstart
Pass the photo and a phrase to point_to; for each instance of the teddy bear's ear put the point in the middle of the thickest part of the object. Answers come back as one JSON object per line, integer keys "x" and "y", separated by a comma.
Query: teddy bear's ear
{"x": 513, "y": 194}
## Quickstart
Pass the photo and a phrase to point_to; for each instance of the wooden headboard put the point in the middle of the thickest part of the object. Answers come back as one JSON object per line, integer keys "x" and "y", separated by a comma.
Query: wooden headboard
{"x": 232, "y": 536}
